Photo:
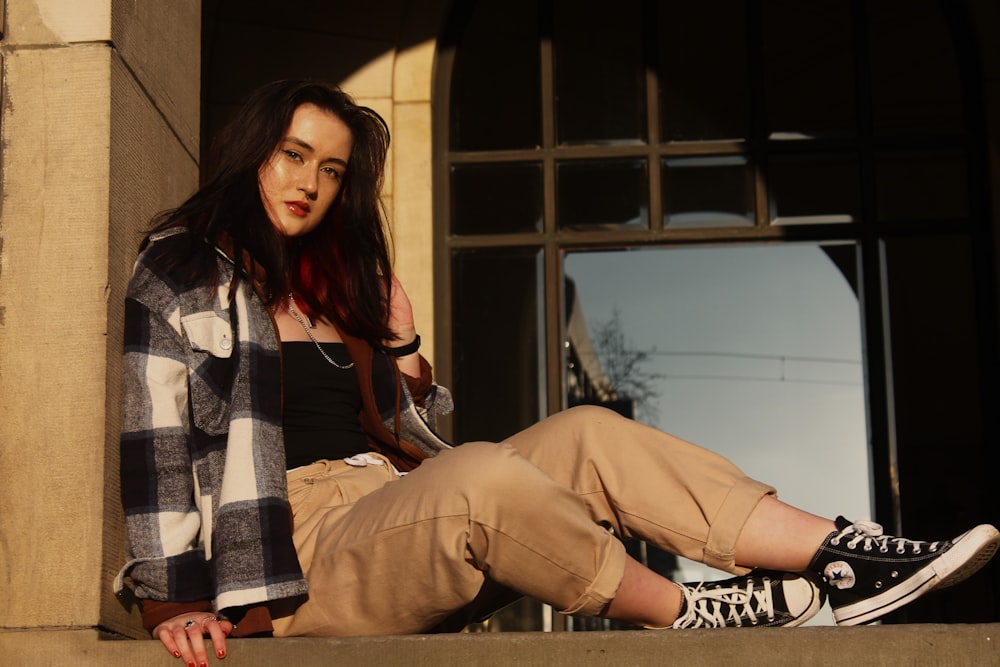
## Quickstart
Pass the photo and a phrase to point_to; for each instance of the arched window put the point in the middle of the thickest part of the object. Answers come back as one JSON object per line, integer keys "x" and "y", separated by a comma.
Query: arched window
{"x": 822, "y": 160}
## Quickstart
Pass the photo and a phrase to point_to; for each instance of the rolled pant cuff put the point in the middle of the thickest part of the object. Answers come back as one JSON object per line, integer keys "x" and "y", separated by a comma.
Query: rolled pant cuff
{"x": 720, "y": 547}
{"x": 604, "y": 586}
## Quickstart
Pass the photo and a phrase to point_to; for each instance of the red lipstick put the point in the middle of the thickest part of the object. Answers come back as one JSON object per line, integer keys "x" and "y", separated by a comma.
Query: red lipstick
{"x": 299, "y": 208}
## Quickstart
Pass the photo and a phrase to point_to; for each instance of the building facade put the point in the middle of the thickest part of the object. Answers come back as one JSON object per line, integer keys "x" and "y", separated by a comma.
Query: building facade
{"x": 525, "y": 142}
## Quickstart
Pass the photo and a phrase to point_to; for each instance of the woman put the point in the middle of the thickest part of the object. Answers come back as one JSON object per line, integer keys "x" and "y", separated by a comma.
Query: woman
{"x": 272, "y": 380}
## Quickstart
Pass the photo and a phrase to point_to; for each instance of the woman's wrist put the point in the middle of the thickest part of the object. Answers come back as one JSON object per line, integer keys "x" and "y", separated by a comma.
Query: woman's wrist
{"x": 405, "y": 349}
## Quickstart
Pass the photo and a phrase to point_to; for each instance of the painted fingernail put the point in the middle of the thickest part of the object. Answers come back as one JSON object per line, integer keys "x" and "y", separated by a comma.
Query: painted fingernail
{"x": 177, "y": 654}
{"x": 221, "y": 653}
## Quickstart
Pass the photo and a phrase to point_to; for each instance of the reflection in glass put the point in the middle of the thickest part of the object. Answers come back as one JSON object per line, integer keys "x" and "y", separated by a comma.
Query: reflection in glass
{"x": 924, "y": 185}
{"x": 814, "y": 189}
{"x": 496, "y": 198}
{"x": 599, "y": 72}
{"x": 754, "y": 352}
{"x": 498, "y": 330}
{"x": 808, "y": 68}
{"x": 708, "y": 192}
{"x": 701, "y": 54}
{"x": 602, "y": 193}
{"x": 496, "y": 102}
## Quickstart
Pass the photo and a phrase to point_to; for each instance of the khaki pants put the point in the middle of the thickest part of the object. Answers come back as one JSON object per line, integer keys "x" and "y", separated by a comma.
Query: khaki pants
{"x": 394, "y": 555}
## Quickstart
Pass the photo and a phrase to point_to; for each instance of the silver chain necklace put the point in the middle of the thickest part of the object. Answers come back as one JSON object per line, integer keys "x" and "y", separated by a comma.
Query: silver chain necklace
{"x": 291, "y": 309}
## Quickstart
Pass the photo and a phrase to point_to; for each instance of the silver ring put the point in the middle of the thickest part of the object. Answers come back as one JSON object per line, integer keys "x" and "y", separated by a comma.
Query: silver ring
{"x": 190, "y": 624}
{"x": 206, "y": 619}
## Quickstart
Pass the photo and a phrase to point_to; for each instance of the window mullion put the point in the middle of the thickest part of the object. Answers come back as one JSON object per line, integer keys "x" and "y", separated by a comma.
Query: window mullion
{"x": 654, "y": 158}
{"x": 553, "y": 292}
{"x": 878, "y": 355}
{"x": 757, "y": 141}
{"x": 548, "y": 129}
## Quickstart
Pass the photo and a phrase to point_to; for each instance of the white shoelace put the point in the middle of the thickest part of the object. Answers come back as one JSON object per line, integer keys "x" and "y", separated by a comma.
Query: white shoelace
{"x": 871, "y": 534}
{"x": 717, "y": 607}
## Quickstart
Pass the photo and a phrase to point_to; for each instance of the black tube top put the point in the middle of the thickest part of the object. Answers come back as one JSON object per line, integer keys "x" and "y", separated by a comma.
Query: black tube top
{"x": 321, "y": 404}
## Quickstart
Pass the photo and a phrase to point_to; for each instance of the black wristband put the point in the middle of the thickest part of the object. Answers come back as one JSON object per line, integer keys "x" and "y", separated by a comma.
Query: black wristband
{"x": 404, "y": 350}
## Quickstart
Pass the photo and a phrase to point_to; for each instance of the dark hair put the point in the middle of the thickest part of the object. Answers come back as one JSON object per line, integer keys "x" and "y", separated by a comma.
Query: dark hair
{"x": 341, "y": 269}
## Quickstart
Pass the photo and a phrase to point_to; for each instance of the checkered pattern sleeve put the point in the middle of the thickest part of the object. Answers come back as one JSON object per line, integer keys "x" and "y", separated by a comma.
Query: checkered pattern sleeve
{"x": 163, "y": 523}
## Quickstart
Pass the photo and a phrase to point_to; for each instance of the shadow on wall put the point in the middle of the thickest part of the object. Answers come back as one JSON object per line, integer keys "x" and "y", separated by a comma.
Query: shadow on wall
{"x": 246, "y": 43}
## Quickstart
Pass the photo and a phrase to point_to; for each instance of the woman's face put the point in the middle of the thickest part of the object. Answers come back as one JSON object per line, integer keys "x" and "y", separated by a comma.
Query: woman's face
{"x": 305, "y": 173}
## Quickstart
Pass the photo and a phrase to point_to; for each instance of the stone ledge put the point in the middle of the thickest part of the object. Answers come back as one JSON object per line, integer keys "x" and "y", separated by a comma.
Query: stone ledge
{"x": 959, "y": 644}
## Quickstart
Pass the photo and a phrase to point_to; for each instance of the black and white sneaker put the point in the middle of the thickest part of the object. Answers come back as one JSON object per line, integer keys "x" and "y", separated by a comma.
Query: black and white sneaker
{"x": 869, "y": 574}
{"x": 760, "y": 598}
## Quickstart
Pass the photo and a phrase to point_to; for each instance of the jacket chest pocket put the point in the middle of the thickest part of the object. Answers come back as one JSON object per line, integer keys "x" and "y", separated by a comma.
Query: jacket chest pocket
{"x": 211, "y": 369}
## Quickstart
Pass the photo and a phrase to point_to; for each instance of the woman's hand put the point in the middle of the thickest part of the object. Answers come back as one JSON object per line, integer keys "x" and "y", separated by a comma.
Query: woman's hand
{"x": 184, "y": 636}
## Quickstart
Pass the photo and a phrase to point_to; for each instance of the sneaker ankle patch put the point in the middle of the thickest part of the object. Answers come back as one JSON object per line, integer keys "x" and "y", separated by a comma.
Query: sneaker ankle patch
{"x": 839, "y": 574}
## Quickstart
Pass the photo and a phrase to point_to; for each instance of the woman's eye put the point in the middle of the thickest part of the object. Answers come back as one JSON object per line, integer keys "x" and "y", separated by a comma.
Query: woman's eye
{"x": 332, "y": 173}
{"x": 292, "y": 154}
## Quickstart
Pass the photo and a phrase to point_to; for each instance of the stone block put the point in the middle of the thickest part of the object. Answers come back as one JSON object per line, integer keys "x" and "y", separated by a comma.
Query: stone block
{"x": 161, "y": 43}
{"x": 33, "y": 22}
{"x": 53, "y": 287}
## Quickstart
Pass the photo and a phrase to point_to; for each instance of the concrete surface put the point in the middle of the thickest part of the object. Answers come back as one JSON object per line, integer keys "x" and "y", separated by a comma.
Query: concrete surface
{"x": 868, "y": 645}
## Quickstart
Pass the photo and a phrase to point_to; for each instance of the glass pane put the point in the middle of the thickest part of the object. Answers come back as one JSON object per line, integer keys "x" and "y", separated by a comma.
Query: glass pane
{"x": 940, "y": 389}
{"x": 808, "y": 69}
{"x": 754, "y": 352}
{"x": 915, "y": 81}
{"x": 496, "y": 100}
{"x": 605, "y": 193}
{"x": 814, "y": 189}
{"x": 702, "y": 57}
{"x": 600, "y": 74}
{"x": 496, "y": 198}
{"x": 708, "y": 192}
{"x": 498, "y": 336}
{"x": 928, "y": 185}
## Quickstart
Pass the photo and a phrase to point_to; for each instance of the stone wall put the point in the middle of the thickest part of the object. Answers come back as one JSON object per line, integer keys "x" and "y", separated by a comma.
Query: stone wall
{"x": 99, "y": 131}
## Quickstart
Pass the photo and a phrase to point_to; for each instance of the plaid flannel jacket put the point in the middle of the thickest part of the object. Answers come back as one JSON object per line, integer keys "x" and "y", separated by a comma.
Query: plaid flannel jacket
{"x": 202, "y": 456}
